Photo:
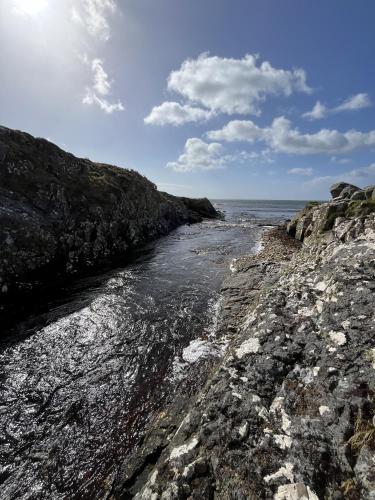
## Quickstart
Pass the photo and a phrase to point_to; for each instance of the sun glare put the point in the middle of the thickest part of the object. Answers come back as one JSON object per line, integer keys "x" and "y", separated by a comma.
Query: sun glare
{"x": 29, "y": 7}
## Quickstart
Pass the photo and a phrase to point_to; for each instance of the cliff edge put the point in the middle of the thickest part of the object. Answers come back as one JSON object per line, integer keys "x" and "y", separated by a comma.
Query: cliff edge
{"x": 61, "y": 215}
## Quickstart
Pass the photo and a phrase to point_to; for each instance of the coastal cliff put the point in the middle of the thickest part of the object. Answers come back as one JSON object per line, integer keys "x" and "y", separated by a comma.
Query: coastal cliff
{"x": 288, "y": 413}
{"x": 62, "y": 216}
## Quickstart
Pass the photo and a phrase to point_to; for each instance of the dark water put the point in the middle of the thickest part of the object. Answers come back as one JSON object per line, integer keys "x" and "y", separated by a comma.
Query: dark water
{"x": 77, "y": 390}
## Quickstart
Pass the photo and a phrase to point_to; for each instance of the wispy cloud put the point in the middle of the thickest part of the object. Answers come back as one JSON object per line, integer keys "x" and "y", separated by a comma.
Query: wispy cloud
{"x": 363, "y": 175}
{"x": 93, "y": 15}
{"x": 101, "y": 88}
{"x": 353, "y": 103}
{"x": 301, "y": 171}
{"x": 341, "y": 161}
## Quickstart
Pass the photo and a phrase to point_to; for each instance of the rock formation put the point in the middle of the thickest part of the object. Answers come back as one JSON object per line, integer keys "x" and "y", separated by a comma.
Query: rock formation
{"x": 348, "y": 201}
{"x": 61, "y": 215}
{"x": 289, "y": 412}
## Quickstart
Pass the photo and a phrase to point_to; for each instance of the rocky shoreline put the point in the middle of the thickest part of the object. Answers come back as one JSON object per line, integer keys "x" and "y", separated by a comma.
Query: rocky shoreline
{"x": 289, "y": 411}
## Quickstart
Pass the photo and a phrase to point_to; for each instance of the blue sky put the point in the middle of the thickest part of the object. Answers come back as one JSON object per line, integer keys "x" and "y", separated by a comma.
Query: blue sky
{"x": 225, "y": 99}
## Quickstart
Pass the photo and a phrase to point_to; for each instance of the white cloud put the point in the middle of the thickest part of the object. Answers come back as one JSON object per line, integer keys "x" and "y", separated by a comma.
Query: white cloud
{"x": 353, "y": 103}
{"x": 341, "y": 161}
{"x": 237, "y": 130}
{"x": 91, "y": 98}
{"x": 318, "y": 111}
{"x": 200, "y": 155}
{"x": 93, "y": 15}
{"x": 100, "y": 88}
{"x": 300, "y": 171}
{"x": 173, "y": 113}
{"x": 281, "y": 137}
{"x": 230, "y": 85}
{"x": 101, "y": 82}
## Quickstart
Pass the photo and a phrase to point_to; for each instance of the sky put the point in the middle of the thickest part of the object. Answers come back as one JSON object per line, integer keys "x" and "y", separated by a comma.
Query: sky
{"x": 251, "y": 99}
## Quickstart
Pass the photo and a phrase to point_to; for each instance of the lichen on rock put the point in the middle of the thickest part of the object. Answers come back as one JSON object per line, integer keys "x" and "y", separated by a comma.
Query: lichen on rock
{"x": 288, "y": 413}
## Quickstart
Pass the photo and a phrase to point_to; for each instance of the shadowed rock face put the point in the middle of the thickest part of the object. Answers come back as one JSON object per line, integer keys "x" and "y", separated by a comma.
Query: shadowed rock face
{"x": 61, "y": 215}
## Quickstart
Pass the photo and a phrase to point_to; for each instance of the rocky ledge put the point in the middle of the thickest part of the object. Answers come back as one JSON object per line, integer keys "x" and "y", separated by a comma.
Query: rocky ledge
{"x": 61, "y": 215}
{"x": 289, "y": 411}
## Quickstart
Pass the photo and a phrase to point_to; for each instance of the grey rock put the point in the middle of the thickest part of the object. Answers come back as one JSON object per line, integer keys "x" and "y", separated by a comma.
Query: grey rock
{"x": 306, "y": 395}
{"x": 359, "y": 195}
{"x": 338, "y": 188}
{"x": 347, "y": 192}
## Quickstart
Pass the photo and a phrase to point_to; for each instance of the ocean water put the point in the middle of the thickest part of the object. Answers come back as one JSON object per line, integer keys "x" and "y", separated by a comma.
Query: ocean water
{"x": 81, "y": 379}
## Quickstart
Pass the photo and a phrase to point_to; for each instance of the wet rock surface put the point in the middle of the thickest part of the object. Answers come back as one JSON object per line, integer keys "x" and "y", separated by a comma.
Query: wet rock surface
{"x": 62, "y": 216}
{"x": 289, "y": 413}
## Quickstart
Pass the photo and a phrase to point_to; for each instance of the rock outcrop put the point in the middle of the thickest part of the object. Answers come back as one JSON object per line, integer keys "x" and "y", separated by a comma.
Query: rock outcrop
{"x": 61, "y": 215}
{"x": 289, "y": 413}
{"x": 348, "y": 201}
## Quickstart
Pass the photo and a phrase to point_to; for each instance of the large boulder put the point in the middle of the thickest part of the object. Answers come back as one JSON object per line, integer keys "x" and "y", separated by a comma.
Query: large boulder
{"x": 343, "y": 189}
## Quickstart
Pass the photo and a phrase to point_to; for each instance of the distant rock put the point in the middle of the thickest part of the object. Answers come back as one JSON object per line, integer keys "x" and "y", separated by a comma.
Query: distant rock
{"x": 61, "y": 215}
{"x": 317, "y": 218}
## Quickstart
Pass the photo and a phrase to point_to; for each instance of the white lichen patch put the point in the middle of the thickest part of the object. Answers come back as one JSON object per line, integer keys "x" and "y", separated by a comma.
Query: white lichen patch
{"x": 243, "y": 430}
{"x": 295, "y": 491}
{"x": 286, "y": 472}
{"x": 183, "y": 449}
{"x": 237, "y": 395}
{"x": 307, "y": 312}
{"x": 345, "y": 324}
{"x": 282, "y": 441}
{"x": 324, "y": 409}
{"x": 338, "y": 338}
{"x": 276, "y": 407}
{"x": 250, "y": 346}
{"x": 319, "y": 306}
{"x": 371, "y": 357}
{"x": 321, "y": 286}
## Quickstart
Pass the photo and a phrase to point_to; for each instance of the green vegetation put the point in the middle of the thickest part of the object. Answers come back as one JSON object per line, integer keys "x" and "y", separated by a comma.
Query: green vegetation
{"x": 312, "y": 204}
{"x": 359, "y": 208}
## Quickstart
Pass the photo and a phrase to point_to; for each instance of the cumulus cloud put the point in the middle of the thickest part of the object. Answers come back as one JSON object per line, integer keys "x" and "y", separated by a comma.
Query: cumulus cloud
{"x": 230, "y": 85}
{"x": 173, "y": 113}
{"x": 100, "y": 88}
{"x": 93, "y": 15}
{"x": 353, "y": 103}
{"x": 300, "y": 171}
{"x": 201, "y": 155}
{"x": 281, "y": 137}
{"x": 225, "y": 85}
{"x": 237, "y": 130}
